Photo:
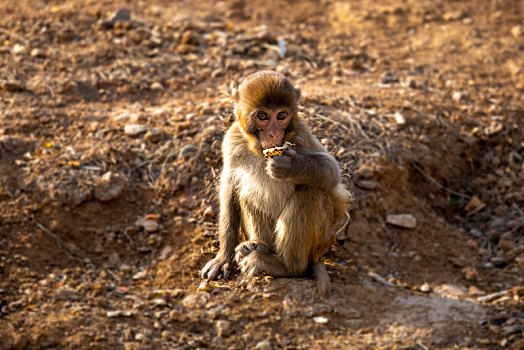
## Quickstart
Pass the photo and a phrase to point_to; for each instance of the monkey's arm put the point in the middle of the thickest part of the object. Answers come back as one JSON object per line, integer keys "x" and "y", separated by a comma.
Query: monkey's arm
{"x": 316, "y": 169}
{"x": 228, "y": 227}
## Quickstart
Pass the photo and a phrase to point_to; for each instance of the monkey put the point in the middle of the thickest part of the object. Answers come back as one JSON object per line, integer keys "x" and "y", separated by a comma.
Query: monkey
{"x": 285, "y": 205}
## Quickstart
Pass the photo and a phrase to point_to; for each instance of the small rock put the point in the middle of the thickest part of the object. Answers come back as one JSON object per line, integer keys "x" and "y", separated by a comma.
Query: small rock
{"x": 458, "y": 96}
{"x": 190, "y": 38}
{"x": 209, "y": 213}
{"x": 402, "y": 220}
{"x": 140, "y": 275}
{"x": 66, "y": 294}
{"x": 119, "y": 313}
{"x": 470, "y": 273}
{"x": 125, "y": 268}
{"x": 122, "y": 15}
{"x": 367, "y": 184}
{"x": 520, "y": 261}
{"x": 389, "y": 78}
{"x": 264, "y": 345}
{"x": 19, "y": 49}
{"x": 148, "y": 225}
{"x": 223, "y": 328}
{"x": 474, "y": 204}
{"x": 140, "y": 336}
{"x": 36, "y": 52}
{"x": 320, "y": 320}
{"x": 517, "y": 31}
{"x": 177, "y": 316}
{"x": 159, "y": 302}
{"x": 134, "y": 129}
{"x": 154, "y": 135}
{"x": 166, "y": 335}
{"x": 195, "y": 301}
{"x": 109, "y": 187}
{"x": 156, "y": 86}
{"x": 425, "y": 288}
{"x": 498, "y": 261}
{"x": 166, "y": 251}
{"x": 512, "y": 224}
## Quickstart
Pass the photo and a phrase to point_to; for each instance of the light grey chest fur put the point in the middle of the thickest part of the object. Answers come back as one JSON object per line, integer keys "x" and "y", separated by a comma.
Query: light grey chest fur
{"x": 260, "y": 192}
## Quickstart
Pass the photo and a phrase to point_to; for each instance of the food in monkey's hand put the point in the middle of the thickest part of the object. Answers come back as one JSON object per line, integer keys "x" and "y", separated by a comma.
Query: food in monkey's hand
{"x": 278, "y": 151}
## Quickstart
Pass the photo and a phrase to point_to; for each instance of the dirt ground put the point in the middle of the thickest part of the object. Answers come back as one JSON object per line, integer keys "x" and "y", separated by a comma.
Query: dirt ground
{"x": 111, "y": 118}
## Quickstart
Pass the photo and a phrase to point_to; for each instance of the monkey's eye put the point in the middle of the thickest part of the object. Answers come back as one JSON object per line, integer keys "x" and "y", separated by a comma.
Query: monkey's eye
{"x": 281, "y": 115}
{"x": 262, "y": 116}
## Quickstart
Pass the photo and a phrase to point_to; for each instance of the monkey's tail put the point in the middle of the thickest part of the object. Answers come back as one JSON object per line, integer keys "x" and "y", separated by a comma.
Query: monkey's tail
{"x": 322, "y": 278}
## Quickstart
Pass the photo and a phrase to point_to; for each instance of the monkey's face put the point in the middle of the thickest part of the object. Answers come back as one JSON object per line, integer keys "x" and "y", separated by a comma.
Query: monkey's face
{"x": 271, "y": 125}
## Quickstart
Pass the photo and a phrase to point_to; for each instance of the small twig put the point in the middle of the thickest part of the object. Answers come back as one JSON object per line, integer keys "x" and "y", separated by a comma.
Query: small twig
{"x": 14, "y": 35}
{"x": 61, "y": 245}
{"x": 332, "y": 121}
{"x": 57, "y": 239}
{"x": 435, "y": 182}
{"x": 422, "y": 346}
{"x": 380, "y": 279}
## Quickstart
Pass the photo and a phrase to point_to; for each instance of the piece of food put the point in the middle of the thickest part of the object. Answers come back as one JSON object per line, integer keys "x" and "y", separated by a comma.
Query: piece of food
{"x": 277, "y": 151}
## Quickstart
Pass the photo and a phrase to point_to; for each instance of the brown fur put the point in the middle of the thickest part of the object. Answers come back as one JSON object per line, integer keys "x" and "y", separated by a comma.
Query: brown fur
{"x": 287, "y": 206}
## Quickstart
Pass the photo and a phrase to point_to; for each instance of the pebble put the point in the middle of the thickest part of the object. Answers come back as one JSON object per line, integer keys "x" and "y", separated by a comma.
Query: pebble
{"x": 209, "y": 213}
{"x": 389, "y": 78}
{"x": 367, "y": 184}
{"x": 177, "y": 316}
{"x": 154, "y": 135}
{"x": 425, "y": 288}
{"x": 402, "y": 220}
{"x": 165, "y": 253}
{"x": 470, "y": 273}
{"x": 140, "y": 275}
{"x": 223, "y": 328}
{"x": 119, "y": 313}
{"x": 19, "y": 49}
{"x": 134, "y": 129}
{"x": 264, "y": 345}
{"x": 320, "y": 320}
{"x": 517, "y": 31}
{"x": 148, "y": 225}
{"x": 36, "y": 52}
{"x": 195, "y": 301}
{"x": 121, "y": 15}
{"x": 109, "y": 187}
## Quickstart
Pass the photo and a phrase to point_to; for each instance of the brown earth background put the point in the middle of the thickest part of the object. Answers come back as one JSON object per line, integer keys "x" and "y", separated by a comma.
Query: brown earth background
{"x": 111, "y": 118}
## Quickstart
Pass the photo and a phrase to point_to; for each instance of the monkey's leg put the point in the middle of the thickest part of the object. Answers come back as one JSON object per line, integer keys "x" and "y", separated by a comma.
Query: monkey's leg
{"x": 303, "y": 231}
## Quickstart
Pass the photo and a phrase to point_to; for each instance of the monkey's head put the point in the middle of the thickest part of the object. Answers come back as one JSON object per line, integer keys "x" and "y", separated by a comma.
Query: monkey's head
{"x": 266, "y": 107}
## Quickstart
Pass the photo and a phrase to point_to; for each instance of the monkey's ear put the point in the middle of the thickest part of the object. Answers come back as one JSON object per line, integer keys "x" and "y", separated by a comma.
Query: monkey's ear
{"x": 298, "y": 94}
{"x": 235, "y": 94}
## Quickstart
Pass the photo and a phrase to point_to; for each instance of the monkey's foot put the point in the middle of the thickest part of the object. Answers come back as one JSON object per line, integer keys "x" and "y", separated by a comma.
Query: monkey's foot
{"x": 245, "y": 248}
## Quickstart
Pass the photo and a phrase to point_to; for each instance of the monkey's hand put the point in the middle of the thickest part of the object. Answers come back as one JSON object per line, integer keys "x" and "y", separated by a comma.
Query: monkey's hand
{"x": 283, "y": 167}
{"x": 216, "y": 267}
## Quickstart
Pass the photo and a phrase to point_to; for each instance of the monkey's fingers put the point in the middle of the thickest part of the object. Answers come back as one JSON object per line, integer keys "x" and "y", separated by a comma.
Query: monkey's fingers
{"x": 226, "y": 270}
{"x": 212, "y": 269}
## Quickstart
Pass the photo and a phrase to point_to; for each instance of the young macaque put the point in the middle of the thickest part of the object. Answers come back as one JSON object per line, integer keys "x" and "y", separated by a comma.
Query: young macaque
{"x": 279, "y": 187}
